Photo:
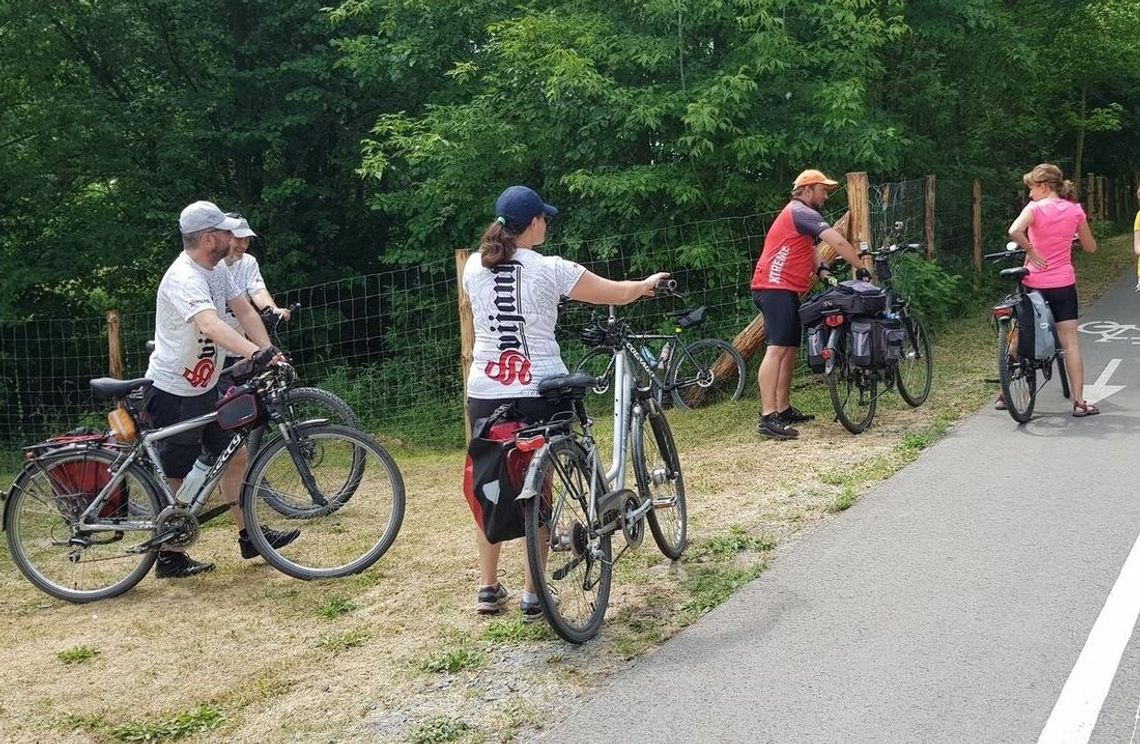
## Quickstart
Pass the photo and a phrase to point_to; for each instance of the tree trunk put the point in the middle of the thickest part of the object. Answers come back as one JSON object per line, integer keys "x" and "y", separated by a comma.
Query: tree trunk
{"x": 1078, "y": 158}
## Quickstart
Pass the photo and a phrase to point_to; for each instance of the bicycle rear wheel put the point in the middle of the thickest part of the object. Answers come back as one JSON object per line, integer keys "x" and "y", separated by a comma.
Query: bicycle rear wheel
{"x": 328, "y": 465}
{"x": 916, "y": 367}
{"x": 1018, "y": 377}
{"x": 1063, "y": 373}
{"x": 570, "y": 562}
{"x": 657, "y": 468}
{"x": 41, "y": 517}
{"x": 705, "y": 373}
{"x": 315, "y": 405}
{"x": 854, "y": 392}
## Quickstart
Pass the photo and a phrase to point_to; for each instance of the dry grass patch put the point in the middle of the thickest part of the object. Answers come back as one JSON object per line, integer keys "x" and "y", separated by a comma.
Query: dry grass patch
{"x": 397, "y": 653}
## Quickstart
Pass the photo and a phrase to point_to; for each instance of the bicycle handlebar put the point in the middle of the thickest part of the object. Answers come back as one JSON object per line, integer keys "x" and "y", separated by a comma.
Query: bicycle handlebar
{"x": 1012, "y": 250}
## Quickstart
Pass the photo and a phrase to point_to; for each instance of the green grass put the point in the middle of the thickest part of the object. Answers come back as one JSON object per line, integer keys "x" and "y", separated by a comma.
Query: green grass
{"x": 844, "y": 500}
{"x": 337, "y": 642}
{"x": 77, "y": 654}
{"x": 454, "y": 661}
{"x": 514, "y": 630}
{"x": 711, "y": 586}
{"x": 196, "y": 721}
{"x": 334, "y": 607}
{"x": 438, "y": 730}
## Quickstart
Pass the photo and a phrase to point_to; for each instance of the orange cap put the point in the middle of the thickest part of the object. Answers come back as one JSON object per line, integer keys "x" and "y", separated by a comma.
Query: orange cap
{"x": 811, "y": 177}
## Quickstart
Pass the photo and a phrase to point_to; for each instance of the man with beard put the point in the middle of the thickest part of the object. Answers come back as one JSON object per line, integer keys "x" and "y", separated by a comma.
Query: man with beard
{"x": 787, "y": 268}
{"x": 189, "y": 330}
{"x": 246, "y": 275}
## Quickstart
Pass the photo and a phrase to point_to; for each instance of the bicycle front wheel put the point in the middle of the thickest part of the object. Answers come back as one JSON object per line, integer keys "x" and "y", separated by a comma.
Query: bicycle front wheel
{"x": 916, "y": 366}
{"x": 854, "y": 392}
{"x": 572, "y": 565}
{"x": 657, "y": 468}
{"x": 1017, "y": 376}
{"x": 69, "y": 560}
{"x": 326, "y": 465}
{"x": 705, "y": 373}
{"x": 315, "y": 405}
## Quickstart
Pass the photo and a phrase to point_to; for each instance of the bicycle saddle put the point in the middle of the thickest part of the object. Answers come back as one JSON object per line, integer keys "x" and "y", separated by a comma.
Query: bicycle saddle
{"x": 689, "y": 318}
{"x": 109, "y": 387}
{"x": 1016, "y": 274}
{"x": 572, "y": 385}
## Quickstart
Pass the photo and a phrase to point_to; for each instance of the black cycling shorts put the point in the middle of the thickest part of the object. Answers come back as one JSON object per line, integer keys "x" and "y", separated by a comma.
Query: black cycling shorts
{"x": 1062, "y": 302}
{"x": 178, "y": 453}
{"x": 781, "y": 310}
{"x": 531, "y": 409}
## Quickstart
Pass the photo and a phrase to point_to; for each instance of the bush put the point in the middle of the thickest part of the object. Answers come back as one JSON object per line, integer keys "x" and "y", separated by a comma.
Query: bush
{"x": 935, "y": 294}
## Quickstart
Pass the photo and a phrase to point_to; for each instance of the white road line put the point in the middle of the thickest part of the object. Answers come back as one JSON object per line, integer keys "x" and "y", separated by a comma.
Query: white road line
{"x": 1106, "y": 375}
{"x": 1076, "y": 711}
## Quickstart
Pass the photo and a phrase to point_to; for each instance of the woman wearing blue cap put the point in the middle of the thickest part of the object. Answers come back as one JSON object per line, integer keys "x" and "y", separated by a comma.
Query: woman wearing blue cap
{"x": 514, "y": 293}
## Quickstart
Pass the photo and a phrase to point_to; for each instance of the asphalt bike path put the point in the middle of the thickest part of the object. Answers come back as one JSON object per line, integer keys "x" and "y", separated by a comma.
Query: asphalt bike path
{"x": 988, "y": 592}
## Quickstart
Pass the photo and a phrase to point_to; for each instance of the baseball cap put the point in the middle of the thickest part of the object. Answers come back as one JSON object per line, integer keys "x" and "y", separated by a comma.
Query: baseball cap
{"x": 519, "y": 205}
{"x": 243, "y": 230}
{"x": 811, "y": 177}
{"x": 204, "y": 215}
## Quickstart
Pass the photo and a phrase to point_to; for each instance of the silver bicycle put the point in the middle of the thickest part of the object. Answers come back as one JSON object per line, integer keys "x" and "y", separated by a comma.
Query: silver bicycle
{"x": 574, "y": 505}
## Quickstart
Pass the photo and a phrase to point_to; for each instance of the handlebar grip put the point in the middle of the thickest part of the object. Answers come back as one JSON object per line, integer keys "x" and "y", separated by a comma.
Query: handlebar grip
{"x": 666, "y": 286}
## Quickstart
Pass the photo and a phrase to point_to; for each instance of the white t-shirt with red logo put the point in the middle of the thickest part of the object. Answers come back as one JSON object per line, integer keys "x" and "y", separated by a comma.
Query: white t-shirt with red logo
{"x": 515, "y": 307}
{"x": 184, "y": 362}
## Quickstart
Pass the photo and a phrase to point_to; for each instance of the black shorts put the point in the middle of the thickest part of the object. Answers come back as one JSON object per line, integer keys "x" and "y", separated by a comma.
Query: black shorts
{"x": 1062, "y": 302}
{"x": 781, "y": 309}
{"x": 177, "y": 453}
{"x": 531, "y": 409}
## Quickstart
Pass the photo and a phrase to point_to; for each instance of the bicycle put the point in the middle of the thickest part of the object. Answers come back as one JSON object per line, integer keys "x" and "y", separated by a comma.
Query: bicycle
{"x": 864, "y": 350}
{"x": 82, "y": 542}
{"x": 697, "y": 375}
{"x": 1017, "y": 374}
{"x": 573, "y": 507}
{"x": 303, "y": 404}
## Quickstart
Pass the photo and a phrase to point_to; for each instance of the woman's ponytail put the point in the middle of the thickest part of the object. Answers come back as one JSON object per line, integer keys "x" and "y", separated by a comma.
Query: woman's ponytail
{"x": 1067, "y": 191}
{"x": 497, "y": 245}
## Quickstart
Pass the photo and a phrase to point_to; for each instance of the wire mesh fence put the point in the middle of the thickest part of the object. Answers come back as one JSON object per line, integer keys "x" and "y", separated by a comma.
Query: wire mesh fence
{"x": 388, "y": 343}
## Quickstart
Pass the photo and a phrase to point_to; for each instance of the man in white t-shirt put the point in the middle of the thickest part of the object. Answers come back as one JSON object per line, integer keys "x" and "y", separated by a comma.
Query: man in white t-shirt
{"x": 247, "y": 273}
{"x": 188, "y": 341}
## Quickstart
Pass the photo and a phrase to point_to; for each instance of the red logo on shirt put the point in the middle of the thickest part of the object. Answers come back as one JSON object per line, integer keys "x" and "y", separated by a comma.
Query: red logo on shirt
{"x": 511, "y": 366}
{"x": 201, "y": 375}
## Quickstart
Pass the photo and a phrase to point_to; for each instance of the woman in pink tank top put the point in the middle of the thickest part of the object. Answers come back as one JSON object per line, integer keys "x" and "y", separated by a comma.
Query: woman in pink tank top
{"x": 1045, "y": 229}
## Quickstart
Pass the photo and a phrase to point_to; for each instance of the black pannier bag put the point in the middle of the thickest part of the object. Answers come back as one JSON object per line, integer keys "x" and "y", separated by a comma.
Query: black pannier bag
{"x": 1034, "y": 327}
{"x": 494, "y": 473}
{"x": 238, "y": 409}
{"x": 862, "y": 345}
{"x": 887, "y": 341}
{"x": 852, "y": 297}
{"x": 816, "y": 338}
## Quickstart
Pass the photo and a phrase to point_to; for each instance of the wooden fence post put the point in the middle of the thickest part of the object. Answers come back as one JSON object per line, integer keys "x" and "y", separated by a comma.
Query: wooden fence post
{"x": 1090, "y": 196}
{"x": 1102, "y": 202}
{"x": 976, "y": 204}
{"x": 859, "y": 209}
{"x": 928, "y": 223}
{"x": 466, "y": 333}
{"x": 114, "y": 345}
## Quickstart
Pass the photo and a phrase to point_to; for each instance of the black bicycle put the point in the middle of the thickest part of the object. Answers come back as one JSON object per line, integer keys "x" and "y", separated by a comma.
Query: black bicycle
{"x": 871, "y": 337}
{"x": 1016, "y": 372}
{"x": 697, "y": 374}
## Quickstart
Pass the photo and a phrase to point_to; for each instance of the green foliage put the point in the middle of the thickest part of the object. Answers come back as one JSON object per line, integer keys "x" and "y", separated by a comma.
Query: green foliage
{"x": 438, "y": 730}
{"x": 454, "y": 660}
{"x": 334, "y": 607}
{"x": 935, "y": 294}
{"x": 196, "y": 721}
{"x": 77, "y": 654}
{"x": 712, "y": 585}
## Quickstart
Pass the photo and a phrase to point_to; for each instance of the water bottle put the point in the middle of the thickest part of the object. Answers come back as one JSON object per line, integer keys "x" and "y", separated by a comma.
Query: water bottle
{"x": 193, "y": 481}
{"x": 666, "y": 352}
{"x": 647, "y": 354}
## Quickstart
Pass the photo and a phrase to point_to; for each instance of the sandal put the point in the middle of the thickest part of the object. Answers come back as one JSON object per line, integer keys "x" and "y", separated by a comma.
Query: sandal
{"x": 999, "y": 404}
{"x": 1081, "y": 410}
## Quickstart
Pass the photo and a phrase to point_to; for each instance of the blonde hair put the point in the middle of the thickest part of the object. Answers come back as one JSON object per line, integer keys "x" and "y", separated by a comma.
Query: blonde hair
{"x": 1051, "y": 176}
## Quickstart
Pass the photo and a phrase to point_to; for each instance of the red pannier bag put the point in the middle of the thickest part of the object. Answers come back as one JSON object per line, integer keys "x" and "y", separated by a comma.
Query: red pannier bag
{"x": 78, "y": 481}
{"x": 494, "y": 473}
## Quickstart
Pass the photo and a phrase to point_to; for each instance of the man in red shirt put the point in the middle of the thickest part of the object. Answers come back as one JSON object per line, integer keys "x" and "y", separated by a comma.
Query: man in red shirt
{"x": 787, "y": 268}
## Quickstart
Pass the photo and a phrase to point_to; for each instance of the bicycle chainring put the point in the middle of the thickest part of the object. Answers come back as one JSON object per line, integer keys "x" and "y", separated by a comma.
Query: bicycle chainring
{"x": 176, "y": 517}
{"x": 633, "y": 528}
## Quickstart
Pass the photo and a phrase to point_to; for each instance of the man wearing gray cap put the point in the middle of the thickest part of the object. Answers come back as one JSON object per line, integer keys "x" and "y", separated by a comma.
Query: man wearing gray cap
{"x": 247, "y": 273}
{"x": 189, "y": 330}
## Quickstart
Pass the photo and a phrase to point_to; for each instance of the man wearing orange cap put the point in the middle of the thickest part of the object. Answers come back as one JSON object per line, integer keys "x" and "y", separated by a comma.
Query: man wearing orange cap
{"x": 787, "y": 268}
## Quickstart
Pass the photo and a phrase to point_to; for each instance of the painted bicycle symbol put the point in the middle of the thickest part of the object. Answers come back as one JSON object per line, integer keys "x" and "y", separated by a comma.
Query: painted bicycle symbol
{"x": 1110, "y": 330}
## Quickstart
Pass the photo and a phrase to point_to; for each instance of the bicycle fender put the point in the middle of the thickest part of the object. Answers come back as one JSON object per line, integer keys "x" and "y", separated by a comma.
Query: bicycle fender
{"x": 530, "y": 482}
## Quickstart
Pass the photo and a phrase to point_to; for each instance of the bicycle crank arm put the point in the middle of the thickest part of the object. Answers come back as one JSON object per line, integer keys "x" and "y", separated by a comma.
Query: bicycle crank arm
{"x": 156, "y": 541}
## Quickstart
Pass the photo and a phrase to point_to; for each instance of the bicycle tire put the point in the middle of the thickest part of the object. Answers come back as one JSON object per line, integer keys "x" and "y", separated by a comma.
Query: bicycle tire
{"x": 1063, "y": 374}
{"x": 843, "y": 380}
{"x": 916, "y": 342}
{"x": 698, "y": 386}
{"x": 35, "y": 483}
{"x": 562, "y": 473}
{"x": 664, "y": 474}
{"x": 1012, "y": 372}
{"x": 322, "y": 401}
{"x": 377, "y": 504}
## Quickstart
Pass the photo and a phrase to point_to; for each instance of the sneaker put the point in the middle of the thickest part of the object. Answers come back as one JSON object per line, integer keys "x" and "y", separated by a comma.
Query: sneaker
{"x": 772, "y": 427}
{"x": 491, "y": 599}
{"x": 531, "y": 612}
{"x": 999, "y": 404}
{"x": 174, "y": 565}
{"x": 793, "y": 415}
{"x": 276, "y": 539}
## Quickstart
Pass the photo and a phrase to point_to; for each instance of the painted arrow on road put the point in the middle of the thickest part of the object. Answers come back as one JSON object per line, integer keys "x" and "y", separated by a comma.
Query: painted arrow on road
{"x": 1100, "y": 389}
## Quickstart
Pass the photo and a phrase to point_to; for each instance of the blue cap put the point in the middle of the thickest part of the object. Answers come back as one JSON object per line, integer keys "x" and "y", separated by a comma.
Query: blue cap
{"x": 519, "y": 205}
